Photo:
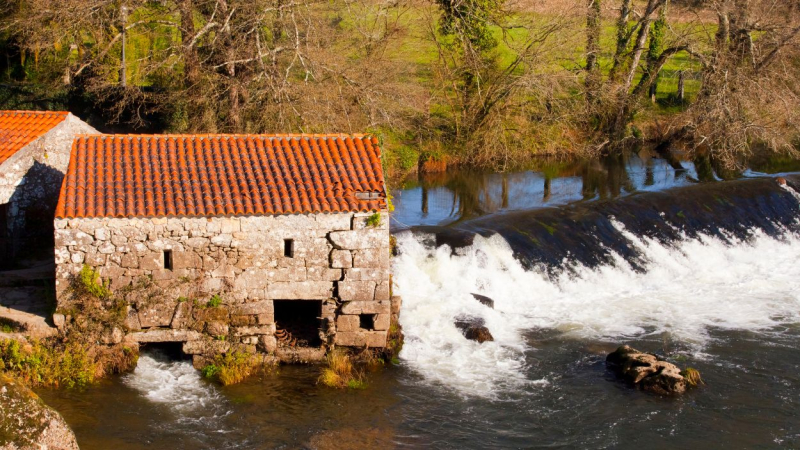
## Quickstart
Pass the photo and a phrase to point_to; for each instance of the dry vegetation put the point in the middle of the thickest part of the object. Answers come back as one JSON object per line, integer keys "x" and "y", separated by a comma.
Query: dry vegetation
{"x": 481, "y": 82}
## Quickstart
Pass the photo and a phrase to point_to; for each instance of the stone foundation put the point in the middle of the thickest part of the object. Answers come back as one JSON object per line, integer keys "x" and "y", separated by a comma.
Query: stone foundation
{"x": 211, "y": 282}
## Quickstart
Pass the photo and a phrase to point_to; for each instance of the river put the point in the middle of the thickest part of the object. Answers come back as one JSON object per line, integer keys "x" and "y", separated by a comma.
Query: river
{"x": 579, "y": 258}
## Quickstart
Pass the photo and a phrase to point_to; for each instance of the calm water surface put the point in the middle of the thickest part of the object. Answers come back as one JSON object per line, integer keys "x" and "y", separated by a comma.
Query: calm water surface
{"x": 728, "y": 307}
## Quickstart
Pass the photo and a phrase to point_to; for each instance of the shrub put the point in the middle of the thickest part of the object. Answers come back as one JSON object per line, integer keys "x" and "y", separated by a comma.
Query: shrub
{"x": 374, "y": 220}
{"x": 230, "y": 368}
{"x": 48, "y": 365}
{"x": 91, "y": 283}
{"x": 215, "y": 301}
{"x": 340, "y": 372}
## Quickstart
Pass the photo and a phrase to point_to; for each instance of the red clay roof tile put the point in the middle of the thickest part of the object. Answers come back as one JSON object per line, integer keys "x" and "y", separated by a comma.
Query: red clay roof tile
{"x": 20, "y": 128}
{"x": 220, "y": 175}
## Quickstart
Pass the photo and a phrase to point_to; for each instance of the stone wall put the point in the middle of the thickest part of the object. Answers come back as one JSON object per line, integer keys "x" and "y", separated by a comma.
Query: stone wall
{"x": 30, "y": 182}
{"x": 337, "y": 259}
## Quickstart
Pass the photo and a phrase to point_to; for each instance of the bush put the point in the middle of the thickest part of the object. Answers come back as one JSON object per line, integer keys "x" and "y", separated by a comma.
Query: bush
{"x": 91, "y": 283}
{"x": 230, "y": 368}
{"x": 37, "y": 364}
{"x": 340, "y": 372}
{"x": 215, "y": 301}
{"x": 374, "y": 220}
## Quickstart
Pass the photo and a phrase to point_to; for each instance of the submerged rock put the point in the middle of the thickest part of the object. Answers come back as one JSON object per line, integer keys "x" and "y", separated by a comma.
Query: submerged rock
{"x": 474, "y": 329}
{"x": 27, "y": 423}
{"x": 646, "y": 371}
{"x": 484, "y": 300}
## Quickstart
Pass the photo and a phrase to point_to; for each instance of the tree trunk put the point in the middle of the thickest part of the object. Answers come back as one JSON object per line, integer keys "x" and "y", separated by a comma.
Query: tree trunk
{"x": 681, "y": 89}
{"x": 593, "y": 75}
{"x": 623, "y": 38}
{"x": 191, "y": 69}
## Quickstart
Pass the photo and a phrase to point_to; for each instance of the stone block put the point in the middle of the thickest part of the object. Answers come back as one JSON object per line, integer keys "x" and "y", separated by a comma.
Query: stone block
{"x": 376, "y": 339}
{"x": 77, "y": 257}
{"x": 372, "y": 258}
{"x": 107, "y": 248}
{"x": 152, "y": 261}
{"x": 186, "y": 260}
{"x": 230, "y": 225}
{"x": 260, "y": 307}
{"x": 382, "y": 291}
{"x": 360, "y": 239}
{"x": 382, "y": 321}
{"x": 366, "y": 308}
{"x": 156, "y": 315}
{"x": 94, "y": 259}
{"x": 350, "y": 339}
{"x": 222, "y": 240}
{"x": 101, "y": 234}
{"x": 265, "y": 319}
{"x": 197, "y": 242}
{"x": 333, "y": 222}
{"x": 346, "y": 323}
{"x": 267, "y": 343}
{"x": 217, "y": 328}
{"x": 129, "y": 260}
{"x": 341, "y": 259}
{"x": 285, "y": 274}
{"x": 302, "y": 290}
{"x": 254, "y": 330}
{"x": 356, "y": 290}
{"x": 252, "y": 279}
{"x": 361, "y": 274}
{"x": 241, "y": 320}
{"x": 132, "y": 320}
{"x": 323, "y": 274}
{"x": 208, "y": 314}
{"x": 164, "y": 335}
{"x": 206, "y": 347}
{"x": 371, "y": 339}
{"x": 183, "y": 315}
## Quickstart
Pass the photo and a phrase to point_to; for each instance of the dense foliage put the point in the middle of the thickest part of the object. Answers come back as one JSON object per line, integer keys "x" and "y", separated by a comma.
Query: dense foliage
{"x": 486, "y": 82}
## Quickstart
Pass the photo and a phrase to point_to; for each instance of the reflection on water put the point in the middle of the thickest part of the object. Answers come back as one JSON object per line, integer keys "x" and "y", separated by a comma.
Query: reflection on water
{"x": 440, "y": 199}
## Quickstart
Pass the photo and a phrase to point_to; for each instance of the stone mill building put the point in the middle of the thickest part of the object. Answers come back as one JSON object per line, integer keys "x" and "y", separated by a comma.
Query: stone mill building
{"x": 34, "y": 153}
{"x": 279, "y": 243}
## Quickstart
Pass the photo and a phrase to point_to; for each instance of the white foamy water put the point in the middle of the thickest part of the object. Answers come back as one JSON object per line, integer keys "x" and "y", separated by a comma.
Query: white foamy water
{"x": 687, "y": 289}
{"x": 175, "y": 383}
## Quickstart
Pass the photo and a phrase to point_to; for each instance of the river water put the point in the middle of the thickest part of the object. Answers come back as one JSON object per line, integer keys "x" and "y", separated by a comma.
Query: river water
{"x": 579, "y": 259}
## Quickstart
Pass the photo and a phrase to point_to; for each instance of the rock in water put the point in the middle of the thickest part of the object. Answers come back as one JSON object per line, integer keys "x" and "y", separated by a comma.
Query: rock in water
{"x": 474, "y": 329}
{"x": 27, "y": 423}
{"x": 646, "y": 371}
{"x": 484, "y": 300}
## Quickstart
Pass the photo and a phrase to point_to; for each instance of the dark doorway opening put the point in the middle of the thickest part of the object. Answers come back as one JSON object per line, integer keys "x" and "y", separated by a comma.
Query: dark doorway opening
{"x": 165, "y": 351}
{"x": 298, "y": 323}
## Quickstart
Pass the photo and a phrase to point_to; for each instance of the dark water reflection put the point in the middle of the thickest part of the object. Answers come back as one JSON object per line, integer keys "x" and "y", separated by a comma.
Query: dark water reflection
{"x": 440, "y": 199}
{"x": 750, "y": 401}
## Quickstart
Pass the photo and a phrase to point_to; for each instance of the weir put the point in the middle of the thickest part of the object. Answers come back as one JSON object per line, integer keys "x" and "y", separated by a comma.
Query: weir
{"x": 678, "y": 264}
{"x": 585, "y": 232}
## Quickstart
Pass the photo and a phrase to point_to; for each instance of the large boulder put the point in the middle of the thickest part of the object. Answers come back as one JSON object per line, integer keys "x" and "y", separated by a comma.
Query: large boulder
{"x": 27, "y": 423}
{"x": 474, "y": 329}
{"x": 646, "y": 371}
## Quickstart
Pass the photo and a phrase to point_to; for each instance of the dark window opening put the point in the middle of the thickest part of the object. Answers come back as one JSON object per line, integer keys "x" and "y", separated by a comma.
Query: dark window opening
{"x": 288, "y": 248}
{"x": 168, "y": 259}
{"x": 366, "y": 321}
{"x": 298, "y": 322}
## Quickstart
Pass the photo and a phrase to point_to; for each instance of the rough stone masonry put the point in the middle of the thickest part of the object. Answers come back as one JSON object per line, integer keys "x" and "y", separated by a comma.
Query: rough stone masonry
{"x": 246, "y": 264}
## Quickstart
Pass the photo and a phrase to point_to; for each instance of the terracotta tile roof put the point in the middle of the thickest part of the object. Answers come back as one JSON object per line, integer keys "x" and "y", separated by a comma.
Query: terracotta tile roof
{"x": 20, "y": 128}
{"x": 221, "y": 175}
